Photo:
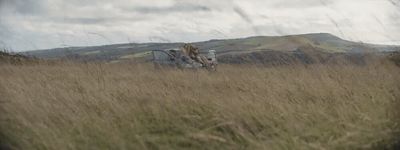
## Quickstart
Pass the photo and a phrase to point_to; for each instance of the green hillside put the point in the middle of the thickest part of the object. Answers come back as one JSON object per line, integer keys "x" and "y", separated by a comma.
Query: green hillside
{"x": 119, "y": 52}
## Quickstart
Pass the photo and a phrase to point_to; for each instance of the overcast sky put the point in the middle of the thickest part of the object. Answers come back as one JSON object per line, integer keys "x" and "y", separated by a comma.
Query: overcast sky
{"x": 40, "y": 24}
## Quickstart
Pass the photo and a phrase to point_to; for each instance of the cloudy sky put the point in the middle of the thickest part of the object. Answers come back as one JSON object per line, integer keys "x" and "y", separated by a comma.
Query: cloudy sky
{"x": 40, "y": 24}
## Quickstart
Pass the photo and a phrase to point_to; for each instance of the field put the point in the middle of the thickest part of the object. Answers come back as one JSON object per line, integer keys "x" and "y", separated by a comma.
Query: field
{"x": 70, "y": 105}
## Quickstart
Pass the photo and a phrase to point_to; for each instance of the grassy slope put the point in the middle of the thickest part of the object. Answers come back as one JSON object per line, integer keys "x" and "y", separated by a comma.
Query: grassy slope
{"x": 121, "y": 106}
{"x": 323, "y": 41}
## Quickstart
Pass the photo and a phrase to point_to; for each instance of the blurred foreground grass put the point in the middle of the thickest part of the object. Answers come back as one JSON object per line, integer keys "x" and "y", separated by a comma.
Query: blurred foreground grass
{"x": 125, "y": 106}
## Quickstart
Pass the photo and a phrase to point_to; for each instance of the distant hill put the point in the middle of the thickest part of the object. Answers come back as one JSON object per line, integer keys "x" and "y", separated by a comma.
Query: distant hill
{"x": 324, "y": 42}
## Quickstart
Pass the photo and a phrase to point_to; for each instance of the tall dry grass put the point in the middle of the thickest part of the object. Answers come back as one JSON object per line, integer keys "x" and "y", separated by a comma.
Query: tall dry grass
{"x": 126, "y": 106}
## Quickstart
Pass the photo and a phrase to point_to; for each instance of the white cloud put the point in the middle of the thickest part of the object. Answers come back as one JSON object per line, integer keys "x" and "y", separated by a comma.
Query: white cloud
{"x": 32, "y": 24}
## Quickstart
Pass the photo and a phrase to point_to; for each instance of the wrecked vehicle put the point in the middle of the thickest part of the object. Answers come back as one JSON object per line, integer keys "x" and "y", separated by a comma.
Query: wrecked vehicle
{"x": 188, "y": 57}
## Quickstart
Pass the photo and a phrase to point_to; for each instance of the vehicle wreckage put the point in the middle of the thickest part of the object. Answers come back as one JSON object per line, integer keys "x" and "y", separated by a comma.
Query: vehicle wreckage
{"x": 187, "y": 57}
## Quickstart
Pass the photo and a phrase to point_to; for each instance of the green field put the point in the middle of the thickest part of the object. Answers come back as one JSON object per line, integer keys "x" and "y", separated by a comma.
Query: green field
{"x": 70, "y": 105}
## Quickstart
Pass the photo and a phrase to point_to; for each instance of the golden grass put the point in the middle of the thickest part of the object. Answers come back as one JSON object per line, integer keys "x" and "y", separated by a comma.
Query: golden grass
{"x": 127, "y": 106}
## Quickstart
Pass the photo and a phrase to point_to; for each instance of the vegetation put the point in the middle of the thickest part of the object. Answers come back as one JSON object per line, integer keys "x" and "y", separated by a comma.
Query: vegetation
{"x": 324, "y": 42}
{"x": 130, "y": 106}
{"x": 395, "y": 57}
{"x": 8, "y": 58}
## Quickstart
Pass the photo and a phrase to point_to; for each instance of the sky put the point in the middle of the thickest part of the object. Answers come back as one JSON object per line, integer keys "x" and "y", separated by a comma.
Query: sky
{"x": 41, "y": 24}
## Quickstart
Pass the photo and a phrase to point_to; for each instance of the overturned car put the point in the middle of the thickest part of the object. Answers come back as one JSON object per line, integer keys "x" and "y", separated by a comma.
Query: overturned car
{"x": 186, "y": 58}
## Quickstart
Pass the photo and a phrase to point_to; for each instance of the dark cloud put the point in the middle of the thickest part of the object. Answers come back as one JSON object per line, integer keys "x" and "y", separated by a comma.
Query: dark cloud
{"x": 85, "y": 20}
{"x": 25, "y": 7}
{"x": 177, "y": 7}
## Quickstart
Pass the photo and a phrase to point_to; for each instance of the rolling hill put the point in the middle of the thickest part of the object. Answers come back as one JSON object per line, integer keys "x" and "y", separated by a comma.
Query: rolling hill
{"x": 323, "y": 42}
